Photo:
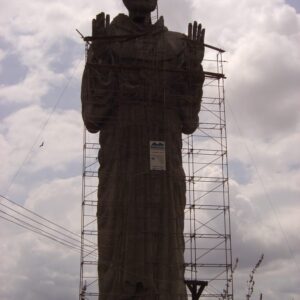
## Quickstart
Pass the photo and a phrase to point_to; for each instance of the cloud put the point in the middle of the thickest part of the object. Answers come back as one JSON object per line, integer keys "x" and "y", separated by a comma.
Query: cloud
{"x": 176, "y": 19}
{"x": 59, "y": 199}
{"x": 34, "y": 267}
{"x": 35, "y": 35}
{"x": 23, "y": 132}
{"x": 36, "y": 270}
{"x": 41, "y": 51}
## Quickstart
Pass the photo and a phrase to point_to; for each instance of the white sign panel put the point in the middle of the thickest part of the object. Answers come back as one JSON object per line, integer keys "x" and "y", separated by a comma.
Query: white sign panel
{"x": 158, "y": 155}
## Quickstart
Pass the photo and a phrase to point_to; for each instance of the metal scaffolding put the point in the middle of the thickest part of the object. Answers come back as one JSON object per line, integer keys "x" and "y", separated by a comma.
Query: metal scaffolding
{"x": 89, "y": 243}
{"x": 208, "y": 256}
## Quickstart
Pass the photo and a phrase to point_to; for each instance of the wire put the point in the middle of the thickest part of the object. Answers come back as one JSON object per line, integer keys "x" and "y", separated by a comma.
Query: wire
{"x": 44, "y": 219}
{"x": 37, "y": 215}
{"x": 34, "y": 231}
{"x": 48, "y": 235}
{"x": 49, "y": 228}
{"x": 27, "y": 157}
{"x": 38, "y": 230}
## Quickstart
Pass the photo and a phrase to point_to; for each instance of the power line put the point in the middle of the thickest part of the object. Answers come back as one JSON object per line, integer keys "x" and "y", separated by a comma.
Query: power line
{"x": 43, "y": 218}
{"x": 48, "y": 227}
{"x": 27, "y": 157}
{"x": 61, "y": 230}
{"x": 38, "y": 230}
{"x": 46, "y": 234}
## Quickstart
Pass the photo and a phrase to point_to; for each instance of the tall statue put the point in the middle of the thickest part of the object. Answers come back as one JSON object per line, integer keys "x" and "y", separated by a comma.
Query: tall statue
{"x": 141, "y": 88}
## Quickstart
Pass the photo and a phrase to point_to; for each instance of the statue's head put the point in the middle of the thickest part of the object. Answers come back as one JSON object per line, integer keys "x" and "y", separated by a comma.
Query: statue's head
{"x": 140, "y": 6}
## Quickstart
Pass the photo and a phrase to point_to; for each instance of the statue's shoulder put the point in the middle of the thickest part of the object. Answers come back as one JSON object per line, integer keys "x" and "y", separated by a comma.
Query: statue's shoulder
{"x": 121, "y": 25}
{"x": 119, "y": 20}
{"x": 176, "y": 35}
{"x": 176, "y": 40}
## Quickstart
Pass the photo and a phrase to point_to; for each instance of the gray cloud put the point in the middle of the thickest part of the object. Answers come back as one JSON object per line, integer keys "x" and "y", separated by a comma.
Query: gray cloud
{"x": 41, "y": 51}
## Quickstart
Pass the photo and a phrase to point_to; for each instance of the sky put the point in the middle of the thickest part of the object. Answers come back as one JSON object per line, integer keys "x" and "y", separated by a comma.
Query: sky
{"x": 41, "y": 64}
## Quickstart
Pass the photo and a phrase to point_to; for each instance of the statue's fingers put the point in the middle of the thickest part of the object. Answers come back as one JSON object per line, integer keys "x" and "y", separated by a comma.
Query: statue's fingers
{"x": 94, "y": 27}
{"x": 107, "y": 21}
{"x": 199, "y": 32}
{"x": 190, "y": 29}
{"x": 202, "y": 35}
{"x": 195, "y": 31}
{"x": 101, "y": 20}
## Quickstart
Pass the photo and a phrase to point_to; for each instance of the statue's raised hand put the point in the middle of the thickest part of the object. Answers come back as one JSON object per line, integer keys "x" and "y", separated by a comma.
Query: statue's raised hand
{"x": 197, "y": 34}
{"x": 99, "y": 29}
{"x": 100, "y": 25}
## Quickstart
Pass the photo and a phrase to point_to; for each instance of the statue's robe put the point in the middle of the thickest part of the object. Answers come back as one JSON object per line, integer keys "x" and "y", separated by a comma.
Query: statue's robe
{"x": 137, "y": 88}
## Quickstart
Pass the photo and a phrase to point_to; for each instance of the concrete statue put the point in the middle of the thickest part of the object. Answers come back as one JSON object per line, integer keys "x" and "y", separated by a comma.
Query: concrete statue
{"x": 141, "y": 88}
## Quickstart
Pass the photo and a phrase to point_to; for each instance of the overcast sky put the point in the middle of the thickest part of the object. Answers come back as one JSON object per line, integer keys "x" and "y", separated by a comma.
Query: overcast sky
{"x": 41, "y": 63}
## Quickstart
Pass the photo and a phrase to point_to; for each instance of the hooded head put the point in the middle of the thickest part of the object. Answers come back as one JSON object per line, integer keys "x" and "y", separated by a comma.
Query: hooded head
{"x": 140, "y": 6}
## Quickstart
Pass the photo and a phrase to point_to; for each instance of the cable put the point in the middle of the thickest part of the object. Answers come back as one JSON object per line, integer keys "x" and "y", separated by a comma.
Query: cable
{"x": 39, "y": 231}
{"x": 42, "y": 129}
{"x": 39, "y": 216}
{"x": 46, "y": 234}
{"x": 33, "y": 231}
{"x": 49, "y": 228}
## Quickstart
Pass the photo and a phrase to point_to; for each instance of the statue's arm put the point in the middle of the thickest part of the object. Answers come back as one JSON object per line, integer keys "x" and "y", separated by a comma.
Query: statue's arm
{"x": 190, "y": 106}
{"x": 87, "y": 107}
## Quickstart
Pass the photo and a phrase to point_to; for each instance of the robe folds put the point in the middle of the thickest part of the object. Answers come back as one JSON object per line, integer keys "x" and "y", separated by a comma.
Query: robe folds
{"x": 140, "y": 85}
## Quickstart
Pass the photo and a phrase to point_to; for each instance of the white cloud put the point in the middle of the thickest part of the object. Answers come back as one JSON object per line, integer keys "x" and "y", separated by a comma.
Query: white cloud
{"x": 262, "y": 40}
{"x": 21, "y": 135}
{"x": 36, "y": 33}
{"x": 37, "y": 272}
{"x": 2, "y": 54}
{"x": 59, "y": 199}
{"x": 34, "y": 267}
